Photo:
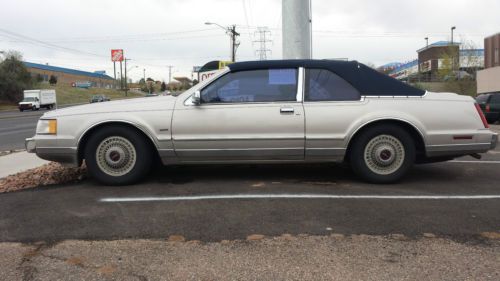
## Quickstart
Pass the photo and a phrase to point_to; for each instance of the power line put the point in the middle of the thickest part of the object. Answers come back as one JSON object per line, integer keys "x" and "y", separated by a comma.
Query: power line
{"x": 45, "y": 44}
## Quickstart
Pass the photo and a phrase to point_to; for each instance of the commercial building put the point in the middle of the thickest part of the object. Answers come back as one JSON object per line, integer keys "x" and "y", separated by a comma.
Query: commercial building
{"x": 488, "y": 80}
{"x": 70, "y": 77}
{"x": 439, "y": 55}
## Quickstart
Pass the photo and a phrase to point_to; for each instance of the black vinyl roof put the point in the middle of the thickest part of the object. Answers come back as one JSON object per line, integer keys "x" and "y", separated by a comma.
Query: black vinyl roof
{"x": 366, "y": 80}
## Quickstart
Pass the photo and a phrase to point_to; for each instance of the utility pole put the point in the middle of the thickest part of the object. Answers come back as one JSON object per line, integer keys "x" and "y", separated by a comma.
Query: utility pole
{"x": 263, "y": 50}
{"x": 296, "y": 29}
{"x": 231, "y": 31}
{"x": 234, "y": 43}
{"x": 144, "y": 74}
{"x": 170, "y": 73}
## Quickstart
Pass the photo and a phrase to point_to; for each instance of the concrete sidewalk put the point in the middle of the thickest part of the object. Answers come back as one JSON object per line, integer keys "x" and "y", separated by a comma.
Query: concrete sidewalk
{"x": 19, "y": 162}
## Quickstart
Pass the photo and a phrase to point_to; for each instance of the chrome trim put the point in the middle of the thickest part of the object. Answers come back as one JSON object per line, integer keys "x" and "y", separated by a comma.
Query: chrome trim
{"x": 300, "y": 84}
{"x": 234, "y": 139}
{"x": 458, "y": 144}
{"x": 239, "y": 149}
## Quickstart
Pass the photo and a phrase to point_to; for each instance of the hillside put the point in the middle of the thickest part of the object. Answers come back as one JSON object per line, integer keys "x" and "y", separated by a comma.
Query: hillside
{"x": 71, "y": 95}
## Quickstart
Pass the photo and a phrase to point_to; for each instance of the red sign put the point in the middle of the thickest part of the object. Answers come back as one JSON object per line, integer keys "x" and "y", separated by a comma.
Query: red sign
{"x": 117, "y": 55}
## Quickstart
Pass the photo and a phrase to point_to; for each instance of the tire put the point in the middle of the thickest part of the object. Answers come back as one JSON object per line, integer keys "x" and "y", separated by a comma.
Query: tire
{"x": 118, "y": 155}
{"x": 21, "y": 109}
{"x": 382, "y": 154}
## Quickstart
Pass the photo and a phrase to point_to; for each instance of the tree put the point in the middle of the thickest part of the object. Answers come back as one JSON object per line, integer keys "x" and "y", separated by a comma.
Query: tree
{"x": 14, "y": 77}
{"x": 52, "y": 80}
{"x": 163, "y": 86}
{"x": 457, "y": 71}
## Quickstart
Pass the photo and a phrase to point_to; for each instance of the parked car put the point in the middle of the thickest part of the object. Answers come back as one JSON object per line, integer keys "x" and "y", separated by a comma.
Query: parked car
{"x": 289, "y": 111}
{"x": 99, "y": 98}
{"x": 36, "y": 99}
{"x": 490, "y": 105}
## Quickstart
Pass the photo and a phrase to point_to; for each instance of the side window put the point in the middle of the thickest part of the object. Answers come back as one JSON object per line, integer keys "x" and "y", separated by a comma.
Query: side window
{"x": 324, "y": 85}
{"x": 495, "y": 99}
{"x": 267, "y": 85}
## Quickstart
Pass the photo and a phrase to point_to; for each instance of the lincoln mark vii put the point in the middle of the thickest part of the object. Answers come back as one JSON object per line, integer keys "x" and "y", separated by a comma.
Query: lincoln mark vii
{"x": 283, "y": 111}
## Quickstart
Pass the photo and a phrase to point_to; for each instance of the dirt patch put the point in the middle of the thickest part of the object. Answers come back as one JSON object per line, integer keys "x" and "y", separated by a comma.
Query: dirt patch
{"x": 48, "y": 174}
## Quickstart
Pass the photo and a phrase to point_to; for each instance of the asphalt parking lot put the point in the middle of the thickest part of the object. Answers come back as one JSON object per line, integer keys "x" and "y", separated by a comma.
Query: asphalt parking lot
{"x": 458, "y": 199}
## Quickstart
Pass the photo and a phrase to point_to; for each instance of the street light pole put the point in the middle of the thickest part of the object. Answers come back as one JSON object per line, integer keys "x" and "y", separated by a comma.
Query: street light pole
{"x": 452, "y": 49}
{"x": 452, "y": 29}
{"x": 231, "y": 31}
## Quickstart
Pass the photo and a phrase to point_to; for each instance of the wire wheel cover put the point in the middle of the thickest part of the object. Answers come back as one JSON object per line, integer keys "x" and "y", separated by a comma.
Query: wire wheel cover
{"x": 116, "y": 156}
{"x": 384, "y": 154}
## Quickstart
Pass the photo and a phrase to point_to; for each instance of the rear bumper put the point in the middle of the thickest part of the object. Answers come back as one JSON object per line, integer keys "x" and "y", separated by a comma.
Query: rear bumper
{"x": 67, "y": 156}
{"x": 488, "y": 142}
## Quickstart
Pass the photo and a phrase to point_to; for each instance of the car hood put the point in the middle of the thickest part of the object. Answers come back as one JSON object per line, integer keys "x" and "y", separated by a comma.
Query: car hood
{"x": 128, "y": 105}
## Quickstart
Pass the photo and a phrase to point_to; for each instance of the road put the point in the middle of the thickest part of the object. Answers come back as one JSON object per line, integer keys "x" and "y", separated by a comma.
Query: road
{"x": 424, "y": 202}
{"x": 16, "y": 126}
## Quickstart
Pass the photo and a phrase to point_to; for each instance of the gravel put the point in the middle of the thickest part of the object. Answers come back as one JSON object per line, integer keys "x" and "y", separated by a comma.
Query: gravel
{"x": 302, "y": 257}
{"x": 52, "y": 173}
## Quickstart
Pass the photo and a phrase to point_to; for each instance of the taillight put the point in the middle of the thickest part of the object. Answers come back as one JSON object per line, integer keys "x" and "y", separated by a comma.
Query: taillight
{"x": 487, "y": 109}
{"x": 480, "y": 112}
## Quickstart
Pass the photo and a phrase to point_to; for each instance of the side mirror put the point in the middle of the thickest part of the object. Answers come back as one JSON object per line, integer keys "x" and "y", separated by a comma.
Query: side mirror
{"x": 197, "y": 98}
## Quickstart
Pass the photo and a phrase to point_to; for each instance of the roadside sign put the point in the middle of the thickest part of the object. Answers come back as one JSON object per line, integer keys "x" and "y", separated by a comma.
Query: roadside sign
{"x": 117, "y": 55}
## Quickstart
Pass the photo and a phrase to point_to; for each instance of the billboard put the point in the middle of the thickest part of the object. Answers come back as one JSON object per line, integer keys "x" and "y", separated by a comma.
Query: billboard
{"x": 117, "y": 55}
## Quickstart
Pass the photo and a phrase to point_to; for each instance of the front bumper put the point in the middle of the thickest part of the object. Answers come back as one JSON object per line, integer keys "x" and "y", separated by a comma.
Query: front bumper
{"x": 67, "y": 156}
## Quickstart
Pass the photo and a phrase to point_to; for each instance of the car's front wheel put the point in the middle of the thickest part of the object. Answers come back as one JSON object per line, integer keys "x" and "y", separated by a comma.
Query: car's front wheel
{"x": 382, "y": 153}
{"x": 118, "y": 155}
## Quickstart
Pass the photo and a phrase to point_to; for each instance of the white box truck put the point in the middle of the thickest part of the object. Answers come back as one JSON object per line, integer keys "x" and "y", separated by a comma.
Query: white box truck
{"x": 36, "y": 99}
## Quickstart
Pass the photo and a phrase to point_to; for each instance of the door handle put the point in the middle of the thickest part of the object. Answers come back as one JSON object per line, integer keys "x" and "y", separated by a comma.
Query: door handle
{"x": 287, "y": 110}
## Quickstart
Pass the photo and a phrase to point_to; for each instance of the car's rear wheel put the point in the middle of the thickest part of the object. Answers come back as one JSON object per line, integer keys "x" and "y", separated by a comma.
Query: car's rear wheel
{"x": 117, "y": 155}
{"x": 382, "y": 154}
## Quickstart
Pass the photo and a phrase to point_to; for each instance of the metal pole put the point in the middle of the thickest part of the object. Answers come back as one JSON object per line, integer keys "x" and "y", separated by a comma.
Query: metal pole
{"x": 296, "y": 29}
{"x": 114, "y": 71}
{"x": 144, "y": 73}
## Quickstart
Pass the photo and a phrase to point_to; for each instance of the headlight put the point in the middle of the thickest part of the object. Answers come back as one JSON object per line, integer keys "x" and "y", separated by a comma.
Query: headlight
{"x": 46, "y": 127}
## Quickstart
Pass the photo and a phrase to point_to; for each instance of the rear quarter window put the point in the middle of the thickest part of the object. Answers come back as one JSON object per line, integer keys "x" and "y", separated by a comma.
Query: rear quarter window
{"x": 324, "y": 85}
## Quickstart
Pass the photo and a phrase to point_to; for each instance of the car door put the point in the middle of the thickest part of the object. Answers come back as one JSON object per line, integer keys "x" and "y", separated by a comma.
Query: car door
{"x": 243, "y": 116}
{"x": 330, "y": 106}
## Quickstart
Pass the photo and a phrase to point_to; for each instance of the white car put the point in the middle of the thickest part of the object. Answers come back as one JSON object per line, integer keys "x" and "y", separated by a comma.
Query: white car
{"x": 289, "y": 111}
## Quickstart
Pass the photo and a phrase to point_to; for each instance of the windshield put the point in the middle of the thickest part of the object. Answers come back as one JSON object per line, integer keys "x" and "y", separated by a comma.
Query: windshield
{"x": 29, "y": 99}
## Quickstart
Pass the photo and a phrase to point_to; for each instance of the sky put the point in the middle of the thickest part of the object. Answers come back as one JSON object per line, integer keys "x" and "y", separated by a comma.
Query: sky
{"x": 156, "y": 34}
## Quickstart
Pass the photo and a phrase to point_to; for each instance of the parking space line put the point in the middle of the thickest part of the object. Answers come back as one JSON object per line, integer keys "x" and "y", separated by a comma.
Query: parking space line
{"x": 475, "y": 161}
{"x": 295, "y": 196}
